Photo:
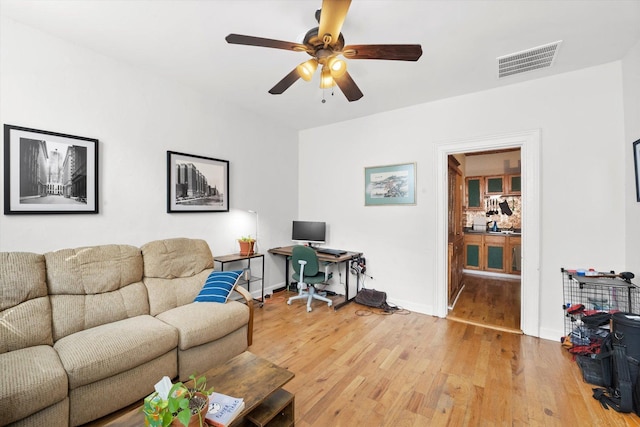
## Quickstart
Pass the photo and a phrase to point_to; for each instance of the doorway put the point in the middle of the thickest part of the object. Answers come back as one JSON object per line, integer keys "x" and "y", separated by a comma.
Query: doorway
{"x": 529, "y": 144}
{"x": 485, "y": 213}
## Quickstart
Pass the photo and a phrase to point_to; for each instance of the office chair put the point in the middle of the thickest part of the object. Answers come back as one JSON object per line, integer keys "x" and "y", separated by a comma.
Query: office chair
{"x": 308, "y": 274}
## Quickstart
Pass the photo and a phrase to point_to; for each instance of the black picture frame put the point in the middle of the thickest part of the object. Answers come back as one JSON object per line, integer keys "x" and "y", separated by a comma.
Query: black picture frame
{"x": 49, "y": 172}
{"x": 196, "y": 183}
{"x": 636, "y": 162}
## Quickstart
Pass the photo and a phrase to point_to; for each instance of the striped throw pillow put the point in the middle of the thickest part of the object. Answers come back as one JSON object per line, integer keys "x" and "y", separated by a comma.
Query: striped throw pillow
{"x": 218, "y": 286}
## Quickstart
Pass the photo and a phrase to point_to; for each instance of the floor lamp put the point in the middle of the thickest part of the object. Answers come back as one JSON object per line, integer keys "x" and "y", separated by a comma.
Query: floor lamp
{"x": 255, "y": 245}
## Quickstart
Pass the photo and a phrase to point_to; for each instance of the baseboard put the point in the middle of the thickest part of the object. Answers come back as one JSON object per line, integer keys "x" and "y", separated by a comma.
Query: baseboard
{"x": 492, "y": 274}
{"x": 457, "y": 296}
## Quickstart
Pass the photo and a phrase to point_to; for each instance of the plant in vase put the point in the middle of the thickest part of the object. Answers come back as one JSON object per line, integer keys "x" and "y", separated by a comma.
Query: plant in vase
{"x": 176, "y": 404}
{"x": 246, "y": 245}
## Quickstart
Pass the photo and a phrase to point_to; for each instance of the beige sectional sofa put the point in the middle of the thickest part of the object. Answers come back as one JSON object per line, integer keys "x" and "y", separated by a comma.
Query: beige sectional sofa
{"x": 87, "y": 331}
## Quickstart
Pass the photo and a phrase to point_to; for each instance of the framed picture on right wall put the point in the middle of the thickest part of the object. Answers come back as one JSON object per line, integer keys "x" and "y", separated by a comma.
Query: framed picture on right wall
{"x": 636, "y": 162}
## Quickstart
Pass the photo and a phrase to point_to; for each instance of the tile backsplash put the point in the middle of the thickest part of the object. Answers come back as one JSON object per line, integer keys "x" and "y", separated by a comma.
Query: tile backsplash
{"x": 504, "y": 221}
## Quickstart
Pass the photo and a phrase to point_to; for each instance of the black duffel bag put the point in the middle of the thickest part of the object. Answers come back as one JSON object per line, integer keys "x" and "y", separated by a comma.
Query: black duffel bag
{"x": 624, "y": 394}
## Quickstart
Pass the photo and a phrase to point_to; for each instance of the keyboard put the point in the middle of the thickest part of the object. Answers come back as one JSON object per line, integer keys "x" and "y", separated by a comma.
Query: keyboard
{"x": 336, "y": 252}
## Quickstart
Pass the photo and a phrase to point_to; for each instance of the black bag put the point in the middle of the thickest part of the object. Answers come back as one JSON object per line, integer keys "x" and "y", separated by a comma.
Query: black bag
{"x": 626, "y": 327}
{"x": 372, "y": 298}
{"x": 596, "y": 367}
{"x": 620, "y": 398}
{"x": 596, "y": 320}
{"x": 624, "y": 394}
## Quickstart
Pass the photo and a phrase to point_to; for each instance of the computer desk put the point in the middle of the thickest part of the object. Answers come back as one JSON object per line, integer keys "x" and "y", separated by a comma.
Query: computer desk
{"x": 286, "y": 252}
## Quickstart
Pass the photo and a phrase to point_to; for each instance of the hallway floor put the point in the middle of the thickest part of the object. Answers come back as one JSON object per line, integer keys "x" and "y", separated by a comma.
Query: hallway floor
{"x": 488, "y": 301}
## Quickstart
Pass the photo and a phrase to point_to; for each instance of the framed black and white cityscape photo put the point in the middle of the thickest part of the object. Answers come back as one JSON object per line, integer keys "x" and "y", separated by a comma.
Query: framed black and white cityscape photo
{"x": 636, "y": 163}
{"x": 197, "y": 183}
{"x": 49, "y": 172}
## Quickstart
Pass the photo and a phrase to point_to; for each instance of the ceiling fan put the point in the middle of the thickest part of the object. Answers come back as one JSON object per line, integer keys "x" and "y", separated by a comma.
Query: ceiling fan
{"x": 325, "y": 43}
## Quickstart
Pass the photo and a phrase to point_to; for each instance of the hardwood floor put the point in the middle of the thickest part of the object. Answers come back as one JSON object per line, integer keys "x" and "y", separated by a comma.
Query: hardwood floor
{"x": 489, "y": 301}
{"x": 357, "y": 368}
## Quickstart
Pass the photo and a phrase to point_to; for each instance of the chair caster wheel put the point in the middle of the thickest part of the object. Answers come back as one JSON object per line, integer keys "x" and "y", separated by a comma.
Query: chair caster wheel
{"x": 288, "y": 302}
{"x": 329, "y": 304}
{"x": 308, "y": 309}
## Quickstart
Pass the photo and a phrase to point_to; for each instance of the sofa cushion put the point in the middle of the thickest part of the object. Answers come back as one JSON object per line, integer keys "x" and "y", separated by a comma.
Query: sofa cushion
{"x": 180, "y": 257}
{"x": 32, "y": 379}
{"x": 25, "y": 311}
{"x": 165, "y": 294}
{"x": 95, "y": 285}
{"x": 74, "y": 313}
{"x": 218, "y": 286}
{"x": 93, "y": 270}
{"x": 106, "y": 350}
{"x": 203, "y": 322}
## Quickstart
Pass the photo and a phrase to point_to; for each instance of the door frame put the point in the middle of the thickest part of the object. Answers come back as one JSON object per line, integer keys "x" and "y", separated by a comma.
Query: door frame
{"x": 529, "y": 144}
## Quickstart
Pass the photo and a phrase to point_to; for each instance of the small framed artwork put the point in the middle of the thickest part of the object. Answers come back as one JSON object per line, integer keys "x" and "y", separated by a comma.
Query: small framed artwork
{"x": 636, "y": 162}
{"x": 390, "y": 185}
{"x": 197, "y": 183}
{"x": 49, "y": 172}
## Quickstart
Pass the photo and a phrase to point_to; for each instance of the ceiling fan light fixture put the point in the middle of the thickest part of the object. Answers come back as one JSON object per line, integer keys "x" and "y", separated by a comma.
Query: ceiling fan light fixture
{"x": 306, "y": 69}
{"x": 326, "y": 80}
{"x": 337, "y": 67}
{"x": 324, "y": 44}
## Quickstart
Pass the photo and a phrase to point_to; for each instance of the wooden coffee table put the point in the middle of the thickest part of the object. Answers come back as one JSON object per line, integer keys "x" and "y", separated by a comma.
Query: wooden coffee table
{"x": 256, "y": 380}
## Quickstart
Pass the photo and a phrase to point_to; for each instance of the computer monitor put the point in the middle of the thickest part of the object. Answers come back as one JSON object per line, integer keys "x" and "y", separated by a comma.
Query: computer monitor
{"x": 311, "y": 232}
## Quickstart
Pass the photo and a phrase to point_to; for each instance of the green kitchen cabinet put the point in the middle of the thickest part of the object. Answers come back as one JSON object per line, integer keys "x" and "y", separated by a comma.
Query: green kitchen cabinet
{"x": 485, "y": 252}
{"x": 494, "y": 247}
{"x": 514, "y": 185}
{"x": 494, "y": 185}
{"x": 473, "y": 252}
{"x": 475, "y": 196}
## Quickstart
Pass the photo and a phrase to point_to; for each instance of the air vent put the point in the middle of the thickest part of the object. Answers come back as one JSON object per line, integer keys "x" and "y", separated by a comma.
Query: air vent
{"x": 527, "y": 60}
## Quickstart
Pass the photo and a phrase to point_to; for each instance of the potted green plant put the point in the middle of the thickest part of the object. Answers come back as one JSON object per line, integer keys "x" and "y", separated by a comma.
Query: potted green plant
{"x": 246, "y": 245}
{"x": 181, "y": 405}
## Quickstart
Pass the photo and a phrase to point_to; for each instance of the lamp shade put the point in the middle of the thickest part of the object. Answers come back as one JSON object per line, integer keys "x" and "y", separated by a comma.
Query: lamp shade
{"x": 337, "y": 66}
{"x": 255, "y": 245}
{"x": 306, "y": 69}
{"x": 326, "y": 81}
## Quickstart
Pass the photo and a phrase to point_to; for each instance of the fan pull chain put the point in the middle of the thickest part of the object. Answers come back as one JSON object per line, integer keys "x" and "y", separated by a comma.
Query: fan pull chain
{"x": 324, "y": 100}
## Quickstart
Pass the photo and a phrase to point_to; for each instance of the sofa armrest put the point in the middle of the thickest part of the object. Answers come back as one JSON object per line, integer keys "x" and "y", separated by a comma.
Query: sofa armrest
{"x": 249, "y": 300}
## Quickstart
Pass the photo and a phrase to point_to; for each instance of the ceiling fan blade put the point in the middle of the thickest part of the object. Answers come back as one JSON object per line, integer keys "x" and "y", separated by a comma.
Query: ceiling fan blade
{"x": 285, "y": 83}
{"x": 332, "y": 17}
{"x": 348, "y": 87}
{"x": 393, "y": 52}
{"x": 262, "y": 42}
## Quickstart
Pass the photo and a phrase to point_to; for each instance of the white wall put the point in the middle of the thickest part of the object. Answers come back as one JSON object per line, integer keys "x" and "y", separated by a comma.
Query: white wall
{"x": 48, "y": 84}
{"x": 580, "y": 116}
{"x": 631, "y": 90}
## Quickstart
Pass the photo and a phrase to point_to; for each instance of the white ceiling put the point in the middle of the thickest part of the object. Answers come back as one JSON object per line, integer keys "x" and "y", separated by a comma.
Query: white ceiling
{"x": 184, "y": 40}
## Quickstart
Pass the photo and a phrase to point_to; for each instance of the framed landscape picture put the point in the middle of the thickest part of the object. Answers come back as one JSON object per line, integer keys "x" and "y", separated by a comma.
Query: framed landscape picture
{"x": 390, "y": 185}
{"x": 49, "y": 172}
{"x": 197, "y": 183}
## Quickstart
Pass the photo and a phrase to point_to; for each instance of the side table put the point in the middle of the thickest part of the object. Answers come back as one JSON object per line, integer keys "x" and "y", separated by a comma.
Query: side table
{"x": 225, "y": 259}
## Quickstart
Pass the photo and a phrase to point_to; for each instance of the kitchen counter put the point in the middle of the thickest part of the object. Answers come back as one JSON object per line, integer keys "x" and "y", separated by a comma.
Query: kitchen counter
{"x": 517, "y": 232}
